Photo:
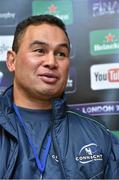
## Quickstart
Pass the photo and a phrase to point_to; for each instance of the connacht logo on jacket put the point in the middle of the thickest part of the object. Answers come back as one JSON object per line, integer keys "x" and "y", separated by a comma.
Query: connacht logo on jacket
{"x": 89, "y": 153}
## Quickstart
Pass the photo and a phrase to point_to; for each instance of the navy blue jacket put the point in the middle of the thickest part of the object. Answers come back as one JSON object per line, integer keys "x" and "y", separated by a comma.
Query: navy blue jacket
{"x": 81, "y": 147}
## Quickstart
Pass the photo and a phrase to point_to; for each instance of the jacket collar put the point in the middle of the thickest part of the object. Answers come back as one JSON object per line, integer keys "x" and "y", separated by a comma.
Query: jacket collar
{"x": 7, "y": 110}
{"x": 59, "y": 108}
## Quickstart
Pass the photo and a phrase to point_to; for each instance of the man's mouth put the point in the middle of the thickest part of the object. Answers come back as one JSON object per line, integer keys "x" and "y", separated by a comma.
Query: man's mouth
{"x": 49, "y": 78}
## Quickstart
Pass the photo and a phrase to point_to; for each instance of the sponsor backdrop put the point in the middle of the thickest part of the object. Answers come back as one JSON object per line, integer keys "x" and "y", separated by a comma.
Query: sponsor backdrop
{"x": 93, "y": 27}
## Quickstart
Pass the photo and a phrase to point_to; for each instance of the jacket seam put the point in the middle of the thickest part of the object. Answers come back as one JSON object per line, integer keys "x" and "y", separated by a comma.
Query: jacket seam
{"x": 80, "y": 115}
{"x": 97, "y": 175}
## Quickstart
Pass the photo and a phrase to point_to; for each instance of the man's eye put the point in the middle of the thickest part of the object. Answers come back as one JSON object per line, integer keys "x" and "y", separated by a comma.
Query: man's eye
{"x": 61, "y": 54}
{"x": 40, "y": 51}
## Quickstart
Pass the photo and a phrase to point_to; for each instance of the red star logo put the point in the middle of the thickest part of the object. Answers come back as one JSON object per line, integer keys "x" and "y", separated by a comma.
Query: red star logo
{"x": 109, "y": 38}
{"x": 52, "y": 8}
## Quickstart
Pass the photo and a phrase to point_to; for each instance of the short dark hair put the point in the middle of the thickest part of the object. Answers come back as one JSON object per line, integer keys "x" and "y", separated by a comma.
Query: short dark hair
{"x": 36, "y": 20}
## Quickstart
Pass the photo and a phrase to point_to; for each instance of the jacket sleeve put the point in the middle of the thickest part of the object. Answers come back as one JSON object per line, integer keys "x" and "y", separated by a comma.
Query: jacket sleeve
{"x": 112, "y": 169}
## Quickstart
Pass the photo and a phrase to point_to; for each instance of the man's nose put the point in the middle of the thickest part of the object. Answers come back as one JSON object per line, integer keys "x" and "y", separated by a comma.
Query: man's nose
{"x": 50, "y": 61}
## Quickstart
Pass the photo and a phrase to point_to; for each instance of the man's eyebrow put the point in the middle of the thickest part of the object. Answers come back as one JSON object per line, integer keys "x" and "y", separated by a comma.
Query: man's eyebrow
{"x": 38, "y": 43}
{"x": 46, "y": 44}
{"x": 64, "y": 45}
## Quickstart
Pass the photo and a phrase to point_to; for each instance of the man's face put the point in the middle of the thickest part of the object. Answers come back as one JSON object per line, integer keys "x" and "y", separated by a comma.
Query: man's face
{"x": 42, "y": 62}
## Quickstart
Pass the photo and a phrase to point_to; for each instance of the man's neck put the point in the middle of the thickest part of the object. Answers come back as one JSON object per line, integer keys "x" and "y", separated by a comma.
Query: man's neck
{"x": 20, "y": 99}
{"x": 32, "y": 105}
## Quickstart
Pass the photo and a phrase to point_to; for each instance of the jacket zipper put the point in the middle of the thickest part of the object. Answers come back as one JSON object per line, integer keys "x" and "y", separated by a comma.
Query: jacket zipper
{"x": 57, "y": 152}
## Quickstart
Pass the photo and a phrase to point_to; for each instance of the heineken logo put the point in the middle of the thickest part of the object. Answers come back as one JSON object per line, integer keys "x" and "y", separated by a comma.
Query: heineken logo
{"x": 109, "y": 38}
{"x": 104, "y": 42}
{"x": 62, "y": 10}
{"x": 52, "y": 8}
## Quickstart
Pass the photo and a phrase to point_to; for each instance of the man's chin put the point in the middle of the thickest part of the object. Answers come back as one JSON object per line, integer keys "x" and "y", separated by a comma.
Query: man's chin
{"x": 54, "y": 95}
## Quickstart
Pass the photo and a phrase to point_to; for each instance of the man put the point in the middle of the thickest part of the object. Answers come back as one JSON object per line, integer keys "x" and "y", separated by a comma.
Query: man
{"x": 40, "y": 137}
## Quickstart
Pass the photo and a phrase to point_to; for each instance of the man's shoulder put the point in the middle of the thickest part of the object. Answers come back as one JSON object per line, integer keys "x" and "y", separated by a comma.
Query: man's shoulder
{"x": 83, "y": 120}
{"x": 87, "y": 128}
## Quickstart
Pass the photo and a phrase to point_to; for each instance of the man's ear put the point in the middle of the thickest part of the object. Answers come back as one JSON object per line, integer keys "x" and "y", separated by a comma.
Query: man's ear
{"x": 10, "y": 62}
